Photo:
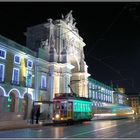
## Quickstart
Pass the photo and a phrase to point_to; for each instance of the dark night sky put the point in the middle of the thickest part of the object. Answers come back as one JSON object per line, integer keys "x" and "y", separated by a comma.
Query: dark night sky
{"x": 111, "y": 31}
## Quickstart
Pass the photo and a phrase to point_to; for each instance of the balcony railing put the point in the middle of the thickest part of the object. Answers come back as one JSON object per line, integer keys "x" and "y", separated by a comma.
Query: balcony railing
{"x": 43, "y": 88}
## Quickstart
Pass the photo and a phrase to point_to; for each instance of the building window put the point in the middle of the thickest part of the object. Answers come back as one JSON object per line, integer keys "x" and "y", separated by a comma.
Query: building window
{"x": 110, "y": 99}
{"x": 96, "y": 94}
{"x": 29, "y": 64}
{"x": 2, "y": 54}
{"x": 93, "y": 95}
{"x": 2, "y": 67}
{"x": 99, "y": 96}
{"x": 29, "y": 78}
{"x": 16, "y": 59}
{"x": 89, "y": 93}
{"x": 15, "y": 76}
{"x": 43, "y": 82}
{"x": 102, "y": 97}
{"x": 90, "y": 85}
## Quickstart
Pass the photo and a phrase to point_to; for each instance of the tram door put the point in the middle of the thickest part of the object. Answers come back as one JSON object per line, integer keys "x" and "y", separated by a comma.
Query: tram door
{"x": 56, "y": 108}
{"x": 70, "y": 106}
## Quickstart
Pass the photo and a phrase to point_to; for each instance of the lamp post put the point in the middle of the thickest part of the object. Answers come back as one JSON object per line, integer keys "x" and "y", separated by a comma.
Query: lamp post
{"x": 27, "y": 83}
{"x": 28, "y": 77}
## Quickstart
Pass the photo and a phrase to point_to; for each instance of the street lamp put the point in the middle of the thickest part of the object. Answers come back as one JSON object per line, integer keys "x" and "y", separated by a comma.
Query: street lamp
{"x": 27, "y": 97}
{"x": 28, "y": 78}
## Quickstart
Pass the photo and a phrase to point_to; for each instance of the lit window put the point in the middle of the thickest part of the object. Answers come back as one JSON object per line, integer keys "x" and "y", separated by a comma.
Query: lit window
{"x": 93, "y": 104}
{"x": 2, "y": 54}
{"x": 29, "y": 64}
{"x": 93, "y": 95}
{"x": 16, "y": 59}
{"x": 89, "y": 93}
{"x": 29, "y": 79}
{"x": 15, "y": 76}
{"x": 43, "y": 82}
{"x": 101, "y": 96}
{"x": 2, "y": 67}
{"x": 89, "y": 85}
{"x": 108, "y": 98}
{"x": 104, "y": 97}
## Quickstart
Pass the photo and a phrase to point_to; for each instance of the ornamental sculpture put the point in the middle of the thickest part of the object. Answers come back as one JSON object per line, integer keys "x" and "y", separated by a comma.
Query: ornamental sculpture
{"x": 68, "y": 19}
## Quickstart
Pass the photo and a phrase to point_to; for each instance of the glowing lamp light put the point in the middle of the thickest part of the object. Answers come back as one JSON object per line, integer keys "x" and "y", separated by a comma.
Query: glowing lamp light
{"x": 9, "y": 99}
{"x": 18, "y": 115}
{"x": 57, "y": 116}
{"x": 9, "y": 102}
{"x": 39, "y": 103}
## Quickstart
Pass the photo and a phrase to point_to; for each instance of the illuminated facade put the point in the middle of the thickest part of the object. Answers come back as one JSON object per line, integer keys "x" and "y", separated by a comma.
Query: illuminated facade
{"x": 60, "y": 45}
{"x": 56, "y": 62}
{"x": 103, "y": 95}
{"x": 120, "y": 97}
{"x": 17, "y": 80}
{"x": 100, "y": 94}
{"x": 134, "y": 100}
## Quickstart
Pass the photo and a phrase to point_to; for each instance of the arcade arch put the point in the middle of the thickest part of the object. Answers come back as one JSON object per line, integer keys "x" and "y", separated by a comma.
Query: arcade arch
{"x": 27, "y": 105}
{"x": 14, "y": 100}
{"x": 2, "y": 93}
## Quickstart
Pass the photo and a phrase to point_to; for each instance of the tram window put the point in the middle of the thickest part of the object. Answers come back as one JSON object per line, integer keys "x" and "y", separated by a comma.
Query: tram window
{"x": 83, "y": 107}
{"x": 69, "y": 106}
{"x": 75, "y": 106}
{"x": 63, "y": 106}
{"x": 57, "y": 106}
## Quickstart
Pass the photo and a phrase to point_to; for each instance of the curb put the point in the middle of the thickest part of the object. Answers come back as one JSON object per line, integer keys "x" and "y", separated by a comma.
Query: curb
{"x": 24, "y": 126}
{"x": 47, "y": 124}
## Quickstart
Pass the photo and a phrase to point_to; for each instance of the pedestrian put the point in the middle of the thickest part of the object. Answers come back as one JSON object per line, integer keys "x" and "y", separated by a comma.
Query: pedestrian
{"x": 48, "y": 116}
{"x": 37, "y": 115}
{"x": 32, "y": 116}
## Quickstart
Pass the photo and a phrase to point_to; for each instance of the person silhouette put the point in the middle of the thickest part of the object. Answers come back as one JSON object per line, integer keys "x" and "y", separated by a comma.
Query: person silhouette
{"x": 37, "y": 115}
{"x": 48, "y": 116}
{"x": 32, "y": 116}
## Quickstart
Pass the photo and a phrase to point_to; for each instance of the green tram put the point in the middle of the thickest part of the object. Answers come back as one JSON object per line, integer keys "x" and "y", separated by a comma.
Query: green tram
{"x": 68, "y": 108}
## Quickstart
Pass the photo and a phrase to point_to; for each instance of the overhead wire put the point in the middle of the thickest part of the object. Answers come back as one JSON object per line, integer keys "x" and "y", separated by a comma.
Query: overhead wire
{"x": 101, "y": 37}
{"x": 108, "y": 28}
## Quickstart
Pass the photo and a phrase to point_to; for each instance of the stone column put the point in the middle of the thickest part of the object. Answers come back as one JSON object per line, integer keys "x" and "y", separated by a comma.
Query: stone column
{"x": 35, "y": 97}
{"x": 51, "y": 88}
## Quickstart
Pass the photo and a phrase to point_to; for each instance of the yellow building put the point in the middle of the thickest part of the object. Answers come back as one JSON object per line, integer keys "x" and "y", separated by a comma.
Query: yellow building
{"x": 52, "y": 59}
{"x": 135, "y": 102}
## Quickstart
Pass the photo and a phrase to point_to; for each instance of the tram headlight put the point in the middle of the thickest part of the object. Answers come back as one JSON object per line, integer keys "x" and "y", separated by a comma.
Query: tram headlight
{"x": 57, "y": 116}
{"x": 62, "y": 119}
